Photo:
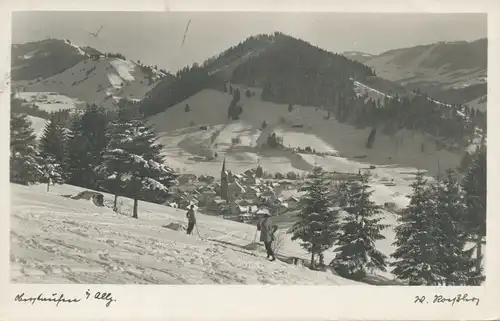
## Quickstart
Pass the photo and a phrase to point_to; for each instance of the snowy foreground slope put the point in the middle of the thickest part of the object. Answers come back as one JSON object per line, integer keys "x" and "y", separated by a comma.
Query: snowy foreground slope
{"x": 60, "y": 240}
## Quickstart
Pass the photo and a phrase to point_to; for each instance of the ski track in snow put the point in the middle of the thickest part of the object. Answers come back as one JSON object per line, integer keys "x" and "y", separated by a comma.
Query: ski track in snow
{"x": 60, "y": 240}
{"x": 115, "y": 80}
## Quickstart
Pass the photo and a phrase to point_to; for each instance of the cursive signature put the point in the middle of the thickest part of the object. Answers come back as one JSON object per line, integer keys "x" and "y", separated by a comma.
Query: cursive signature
{"x": 41, "y": 298}
{"x": 456, "y": 299}
{"x": 438, "y": 298}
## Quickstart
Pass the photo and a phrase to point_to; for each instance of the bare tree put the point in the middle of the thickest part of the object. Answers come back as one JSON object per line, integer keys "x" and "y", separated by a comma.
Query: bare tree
{"x": 278, "y": 242}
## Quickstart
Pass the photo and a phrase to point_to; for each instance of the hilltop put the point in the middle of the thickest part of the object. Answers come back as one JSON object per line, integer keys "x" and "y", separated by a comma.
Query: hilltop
{"x": 78, "y": 75}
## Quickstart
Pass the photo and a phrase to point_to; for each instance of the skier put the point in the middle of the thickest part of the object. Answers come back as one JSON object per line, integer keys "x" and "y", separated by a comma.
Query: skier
{"x": 267, "y": 235}
{"x": 191, "y": 219}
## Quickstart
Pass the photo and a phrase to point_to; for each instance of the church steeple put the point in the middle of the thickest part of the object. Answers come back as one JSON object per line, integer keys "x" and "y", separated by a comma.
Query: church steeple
{"x": 224, "y": 181}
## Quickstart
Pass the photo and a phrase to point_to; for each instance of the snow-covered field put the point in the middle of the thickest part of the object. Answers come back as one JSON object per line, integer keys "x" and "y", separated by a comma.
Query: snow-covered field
{"x": 209, "y": 108}
{"x": 60, "y": 240}
{"x": 50, "y": 101}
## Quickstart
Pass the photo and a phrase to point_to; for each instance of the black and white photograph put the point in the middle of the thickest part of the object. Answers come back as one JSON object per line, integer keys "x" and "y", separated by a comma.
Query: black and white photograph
{"x": 248, "y": 148}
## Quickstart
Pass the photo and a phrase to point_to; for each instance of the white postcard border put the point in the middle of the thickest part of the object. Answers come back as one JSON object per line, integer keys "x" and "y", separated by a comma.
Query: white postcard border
{"x": 193, "y": 302}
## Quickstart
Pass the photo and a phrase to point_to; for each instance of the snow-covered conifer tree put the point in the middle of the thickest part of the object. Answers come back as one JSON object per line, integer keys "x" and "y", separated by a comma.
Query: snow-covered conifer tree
{"x": 474, "y": 186}
{"x": 53, "y": 148}
{"x": 134, "y": 157}
{"x": 86, "y": 146}
{"x": 317, "y": 226}
{"x": 456, "y": 260}
{"x": 359, "y": 229}
{"x": 416, "y": 258}
{"x": 25, "y": 164}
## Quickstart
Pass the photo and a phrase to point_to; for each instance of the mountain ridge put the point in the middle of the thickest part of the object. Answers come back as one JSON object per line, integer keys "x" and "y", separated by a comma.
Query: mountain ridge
{"x": 453, "y": 72}
{"x": 279, "y": 70}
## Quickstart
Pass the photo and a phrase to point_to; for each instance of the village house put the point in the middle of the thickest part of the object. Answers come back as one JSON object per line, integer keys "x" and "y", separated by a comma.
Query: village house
{"x": 252, "y": 192}
{"x": 207, "y": 196}
{"x": 217, "y": 205}
{"x": 269, "y": 193}
{"x": 187, "y": 179}
{"x": 206, "y": 179}
{"x": 250, "y": 180}
{"x": 235, "y": 190}
{"x": 293, "y": 203}
{"x": 250, "y": 172}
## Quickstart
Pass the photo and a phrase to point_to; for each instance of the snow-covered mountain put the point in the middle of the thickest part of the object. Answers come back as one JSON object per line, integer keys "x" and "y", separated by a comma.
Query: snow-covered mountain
{"x": 84, "y": 75}
{"x": 455, "y": 72}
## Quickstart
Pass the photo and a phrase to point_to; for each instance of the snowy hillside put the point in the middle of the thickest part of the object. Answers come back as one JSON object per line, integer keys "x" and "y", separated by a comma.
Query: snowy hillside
{"x": 102, "y": 81}
{"x": 60, "y": 240}
{"x": 455, "y": 72}
{"x": 50, "y": 101}
{"x": 189, "y": 134}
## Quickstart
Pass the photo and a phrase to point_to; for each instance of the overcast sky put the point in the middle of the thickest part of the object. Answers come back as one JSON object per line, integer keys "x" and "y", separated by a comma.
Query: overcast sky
{"x": 155, "y": 37}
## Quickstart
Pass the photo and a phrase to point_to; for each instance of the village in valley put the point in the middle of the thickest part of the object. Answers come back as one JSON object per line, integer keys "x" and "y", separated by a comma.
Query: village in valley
{"x": 243, "y": 197}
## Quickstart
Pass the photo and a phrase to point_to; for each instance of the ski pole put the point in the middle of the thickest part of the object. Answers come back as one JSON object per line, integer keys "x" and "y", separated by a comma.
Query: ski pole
{"x": 198, "y": 231}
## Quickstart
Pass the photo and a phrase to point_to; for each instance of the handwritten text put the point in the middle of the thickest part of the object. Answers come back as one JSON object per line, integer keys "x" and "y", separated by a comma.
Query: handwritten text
{"x": 438, "y": 298}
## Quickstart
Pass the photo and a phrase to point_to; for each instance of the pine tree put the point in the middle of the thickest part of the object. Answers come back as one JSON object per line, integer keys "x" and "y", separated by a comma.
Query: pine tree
{"x": 457, "y": 262}
{"x": 360, "y": 228}
{"x": 53, "y": 146}
{"x": 141, "y": 167}
{"x": 416, "y": 258}
{"x": 317, "y": 226}
{"x": 474, "y": 185}
{"x": 25, "y": 164}
{"x": 86, "y": 146}
{"x": 111, "y": 170}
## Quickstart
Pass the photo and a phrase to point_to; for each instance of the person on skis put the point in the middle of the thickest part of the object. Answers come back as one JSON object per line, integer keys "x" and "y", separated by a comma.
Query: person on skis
{"x": 191, "y": 219}
{"x": 267, "y": 231}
